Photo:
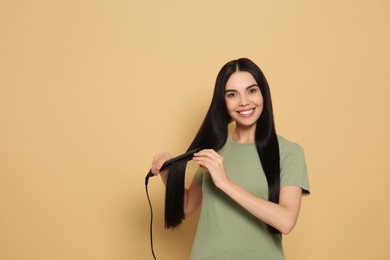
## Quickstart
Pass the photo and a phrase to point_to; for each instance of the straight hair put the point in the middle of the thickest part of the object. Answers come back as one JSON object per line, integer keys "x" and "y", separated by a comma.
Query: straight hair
{"x": 213, "y": 134}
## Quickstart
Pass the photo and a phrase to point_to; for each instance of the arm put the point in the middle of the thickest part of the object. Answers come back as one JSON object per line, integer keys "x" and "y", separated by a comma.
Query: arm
{"x": 192, "y": 195}
{"x": 192, "y": 198}
{"x": 281, "y": 216}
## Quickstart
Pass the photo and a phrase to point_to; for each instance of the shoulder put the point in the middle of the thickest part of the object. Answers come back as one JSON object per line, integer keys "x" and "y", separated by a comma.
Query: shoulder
{"x": 287, "y": 147}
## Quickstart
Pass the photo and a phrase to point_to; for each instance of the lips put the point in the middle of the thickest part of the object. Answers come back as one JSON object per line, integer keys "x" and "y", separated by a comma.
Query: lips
{"x": 246, "y": 113}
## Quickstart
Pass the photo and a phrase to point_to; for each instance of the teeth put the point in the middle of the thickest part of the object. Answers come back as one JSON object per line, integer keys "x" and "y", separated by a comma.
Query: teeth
{"x": 246, "y": 112}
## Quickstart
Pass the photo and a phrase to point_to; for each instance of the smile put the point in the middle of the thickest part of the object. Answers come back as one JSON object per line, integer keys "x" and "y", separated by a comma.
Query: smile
{"x": 246, "y": 113}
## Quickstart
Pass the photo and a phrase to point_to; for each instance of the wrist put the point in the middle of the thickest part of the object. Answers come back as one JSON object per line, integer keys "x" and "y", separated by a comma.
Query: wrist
{"x": 224, "y": 185}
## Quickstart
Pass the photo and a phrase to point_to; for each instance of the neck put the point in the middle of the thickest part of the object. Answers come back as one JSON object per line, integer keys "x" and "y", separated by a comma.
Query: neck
{"x": 244, "y": 135}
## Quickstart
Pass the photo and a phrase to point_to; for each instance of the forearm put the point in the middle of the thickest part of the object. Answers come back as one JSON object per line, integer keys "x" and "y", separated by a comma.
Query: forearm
{"x": 282, "y": 216}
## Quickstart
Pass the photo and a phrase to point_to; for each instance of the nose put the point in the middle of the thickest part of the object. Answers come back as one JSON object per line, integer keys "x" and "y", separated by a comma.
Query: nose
{"x": 243, "y": 101}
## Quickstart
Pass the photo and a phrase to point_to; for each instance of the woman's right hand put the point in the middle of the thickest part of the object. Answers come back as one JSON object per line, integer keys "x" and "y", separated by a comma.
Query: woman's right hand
{"x": 158, "y": 161}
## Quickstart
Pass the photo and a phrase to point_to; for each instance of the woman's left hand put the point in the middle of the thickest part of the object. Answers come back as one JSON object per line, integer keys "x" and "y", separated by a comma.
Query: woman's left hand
{"x": 214, "y": 163}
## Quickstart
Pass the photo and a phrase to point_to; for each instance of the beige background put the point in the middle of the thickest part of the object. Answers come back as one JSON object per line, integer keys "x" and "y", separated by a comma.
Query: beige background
{"x": 90, "y": 90}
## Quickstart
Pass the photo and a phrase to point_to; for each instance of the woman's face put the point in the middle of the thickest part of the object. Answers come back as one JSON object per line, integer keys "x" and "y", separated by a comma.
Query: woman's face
{"x": 244, "y": 102}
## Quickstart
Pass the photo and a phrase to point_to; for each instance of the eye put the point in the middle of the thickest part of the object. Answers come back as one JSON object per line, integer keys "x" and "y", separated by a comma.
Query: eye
{"x": 253, "y": 90}
{"x": 231, "y": 94}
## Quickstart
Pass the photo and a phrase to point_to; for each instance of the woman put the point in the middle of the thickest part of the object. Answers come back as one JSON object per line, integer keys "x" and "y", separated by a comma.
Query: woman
{"x": 249, "y": 183}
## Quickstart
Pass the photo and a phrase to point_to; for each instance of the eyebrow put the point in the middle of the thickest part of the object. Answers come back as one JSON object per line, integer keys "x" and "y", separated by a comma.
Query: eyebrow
{"x": 233, "y": 90}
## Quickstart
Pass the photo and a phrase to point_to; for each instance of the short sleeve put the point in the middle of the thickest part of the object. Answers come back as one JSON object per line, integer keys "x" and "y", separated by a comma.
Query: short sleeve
{"x": 293, "y": 170}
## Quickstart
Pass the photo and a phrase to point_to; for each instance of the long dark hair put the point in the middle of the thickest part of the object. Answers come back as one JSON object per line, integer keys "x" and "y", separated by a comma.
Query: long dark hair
{"x": 213, "y": 134}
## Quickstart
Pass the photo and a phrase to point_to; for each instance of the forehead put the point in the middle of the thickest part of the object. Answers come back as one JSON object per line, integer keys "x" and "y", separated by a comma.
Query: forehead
{"x": 239, "y": 80}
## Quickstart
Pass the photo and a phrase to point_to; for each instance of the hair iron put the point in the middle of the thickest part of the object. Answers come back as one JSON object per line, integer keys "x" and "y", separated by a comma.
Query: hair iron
{"x": 186, "y": 157}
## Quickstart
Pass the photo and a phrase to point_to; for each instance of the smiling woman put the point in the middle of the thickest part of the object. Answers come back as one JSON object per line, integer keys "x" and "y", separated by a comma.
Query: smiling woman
{"x": 249, "y": 185}
{"x": 244, "y": 102}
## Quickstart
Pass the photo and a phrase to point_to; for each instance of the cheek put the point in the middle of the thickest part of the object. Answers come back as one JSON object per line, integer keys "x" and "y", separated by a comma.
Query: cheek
{"x": 229, "y": 105}
{"x": 259, "y": 100}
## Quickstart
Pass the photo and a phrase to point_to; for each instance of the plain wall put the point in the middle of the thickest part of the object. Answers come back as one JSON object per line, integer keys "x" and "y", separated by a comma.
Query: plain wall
{"x": 91, "y": 90}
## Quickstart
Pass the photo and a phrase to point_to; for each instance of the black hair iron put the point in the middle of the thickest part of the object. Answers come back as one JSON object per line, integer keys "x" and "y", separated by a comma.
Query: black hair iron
{"x": 186, "y": 157}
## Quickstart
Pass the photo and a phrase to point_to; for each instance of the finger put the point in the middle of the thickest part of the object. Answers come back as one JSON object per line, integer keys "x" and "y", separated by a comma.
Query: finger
{"x": 157, "y": 163}
{"x": 211, "y": 157}
{"x": 208, "y": 153}
{"x": 207, "y": 162}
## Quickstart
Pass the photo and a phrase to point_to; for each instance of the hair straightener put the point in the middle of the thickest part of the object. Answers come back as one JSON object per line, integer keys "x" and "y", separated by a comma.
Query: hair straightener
{"x": 183, "y": 157}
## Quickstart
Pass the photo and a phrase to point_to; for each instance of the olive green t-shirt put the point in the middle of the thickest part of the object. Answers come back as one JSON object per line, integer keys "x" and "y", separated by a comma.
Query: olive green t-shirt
{"x": 226, "y": 231}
